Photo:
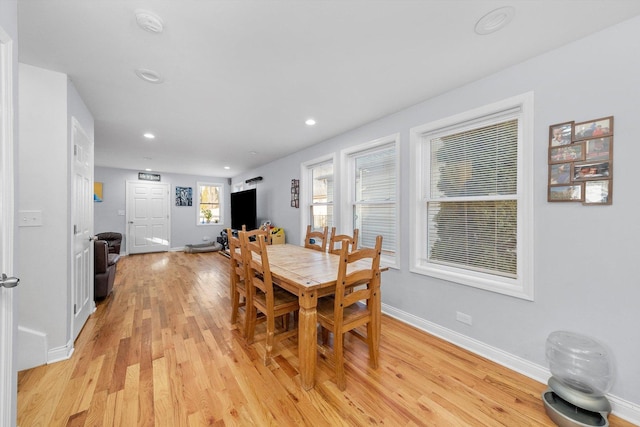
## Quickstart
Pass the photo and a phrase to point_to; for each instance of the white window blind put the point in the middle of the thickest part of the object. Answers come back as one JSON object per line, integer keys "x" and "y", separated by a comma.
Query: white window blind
{"x": 472, "y": 199}
{"x": 375, "y": 197}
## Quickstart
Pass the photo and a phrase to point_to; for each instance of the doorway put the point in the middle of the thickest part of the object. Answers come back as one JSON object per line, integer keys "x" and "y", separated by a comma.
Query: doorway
{"x": 148, "y": 226}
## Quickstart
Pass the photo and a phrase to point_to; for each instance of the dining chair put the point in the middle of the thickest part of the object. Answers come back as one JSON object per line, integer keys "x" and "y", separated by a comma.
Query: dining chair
{"x": 336, "y": 239}
{"x": 238, "y": 292}
{"x": 352, "y": 306}
{"x": 312, "y": 237}
{"x": 264, "y": 296}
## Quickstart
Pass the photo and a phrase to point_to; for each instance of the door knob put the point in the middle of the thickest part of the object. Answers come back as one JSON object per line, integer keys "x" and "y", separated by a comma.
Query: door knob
{"x": 9, "y": 282}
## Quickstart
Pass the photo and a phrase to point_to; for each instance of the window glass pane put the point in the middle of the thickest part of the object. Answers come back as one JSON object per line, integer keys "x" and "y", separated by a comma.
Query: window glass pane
{"x": 376, "y": 176}
{"x": 209, "y": 207}
{"x": 321, "y": 216}
{"x": 322, "y": 179}
{"x": 477, "y": 162}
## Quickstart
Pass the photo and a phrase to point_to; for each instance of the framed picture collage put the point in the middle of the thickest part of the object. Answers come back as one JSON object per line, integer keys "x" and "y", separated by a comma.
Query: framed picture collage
{"x": 581, "y": 162}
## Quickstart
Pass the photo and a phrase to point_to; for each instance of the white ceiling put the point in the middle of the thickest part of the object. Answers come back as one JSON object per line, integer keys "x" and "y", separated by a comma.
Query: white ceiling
{"x": 242, "y": 76}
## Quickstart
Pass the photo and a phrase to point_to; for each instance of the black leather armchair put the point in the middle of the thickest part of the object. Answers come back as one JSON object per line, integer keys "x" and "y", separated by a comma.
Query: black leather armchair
{"x": 104, "y": 269}
{"x": 113, "y": 239}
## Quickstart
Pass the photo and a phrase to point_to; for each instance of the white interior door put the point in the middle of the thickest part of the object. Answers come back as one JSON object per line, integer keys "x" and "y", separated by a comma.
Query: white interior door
{"x": 8, "y": 299}
{"x": 82, "y": 217}
{"x": 147, "y": 217}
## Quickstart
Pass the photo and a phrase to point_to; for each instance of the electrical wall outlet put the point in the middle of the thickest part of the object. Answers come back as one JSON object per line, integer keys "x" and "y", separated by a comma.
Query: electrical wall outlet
{"x": 206, "y": 238}
{"x": 464, "y": 318}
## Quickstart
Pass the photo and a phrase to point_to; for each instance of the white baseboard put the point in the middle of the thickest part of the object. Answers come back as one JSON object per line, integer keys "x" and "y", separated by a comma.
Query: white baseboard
{"x": 60, "y": 353}
{"x": 621, "y": 408}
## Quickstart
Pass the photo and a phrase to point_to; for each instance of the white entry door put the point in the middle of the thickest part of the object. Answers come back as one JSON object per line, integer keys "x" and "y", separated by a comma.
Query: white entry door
{"x": 8, "y": 296}
{"x": 147, "y": 217}
{"x": 82, "y": 217}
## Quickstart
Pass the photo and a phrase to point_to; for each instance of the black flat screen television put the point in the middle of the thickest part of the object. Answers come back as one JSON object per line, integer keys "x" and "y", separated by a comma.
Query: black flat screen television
{"x": 243, "y": 209}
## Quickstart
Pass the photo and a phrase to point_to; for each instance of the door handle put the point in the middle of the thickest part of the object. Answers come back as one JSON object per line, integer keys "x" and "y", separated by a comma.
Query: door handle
{"x": 9, "y": 282}
{"x": 130, "y": 222}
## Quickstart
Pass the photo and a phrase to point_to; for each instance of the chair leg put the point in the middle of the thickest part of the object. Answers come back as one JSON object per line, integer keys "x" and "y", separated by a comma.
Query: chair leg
{"x": 372, "y": 342}
{"x": 235, "y": 304}
{"x": 338, "y": 354}
{"x": 250, "y": 322}
{"x": 268, "y": 349}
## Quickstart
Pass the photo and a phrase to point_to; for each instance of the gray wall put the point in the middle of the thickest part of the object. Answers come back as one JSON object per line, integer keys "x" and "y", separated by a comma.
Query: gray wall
{"x": 586, "y": 275}
{"x": 109, "y": 214}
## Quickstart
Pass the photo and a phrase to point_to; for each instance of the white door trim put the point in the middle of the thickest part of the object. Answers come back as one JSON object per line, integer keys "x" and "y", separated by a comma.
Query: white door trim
{"x": 8, "y": 307}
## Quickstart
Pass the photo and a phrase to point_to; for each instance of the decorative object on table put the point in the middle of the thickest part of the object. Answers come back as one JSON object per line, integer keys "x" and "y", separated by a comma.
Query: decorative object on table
{"x": 581, "y": 377}
{"x": 581, "y": 162}
{"x": 295, "y": 193}
{"x": 184, "y": 196}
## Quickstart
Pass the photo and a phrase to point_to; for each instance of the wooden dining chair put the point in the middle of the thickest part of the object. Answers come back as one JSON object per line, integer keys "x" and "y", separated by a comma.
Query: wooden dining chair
{"x": 336, "y": 239}
{"x": 352, "y": 306}
{"x": 312, "y": 238}
{"x": 238, "y": 292}
{"x": 263, "y": 296}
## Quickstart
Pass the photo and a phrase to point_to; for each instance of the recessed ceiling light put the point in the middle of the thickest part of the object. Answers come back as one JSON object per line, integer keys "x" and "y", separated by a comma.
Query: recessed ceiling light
{"x": 310, "y": 122}
{"x": 253, "y": 153}
{"x": 148, "y": 169}
{"x": 227, "y": 167}
{"x": 149, "y": 21}
{"x": 495, "y": 20}
{"x": 149, "y": 135}
{"x": 149, "y": 75}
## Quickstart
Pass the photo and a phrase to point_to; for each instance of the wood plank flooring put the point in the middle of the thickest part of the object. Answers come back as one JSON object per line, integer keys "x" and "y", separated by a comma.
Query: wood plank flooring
{"x": 160, "y": 351}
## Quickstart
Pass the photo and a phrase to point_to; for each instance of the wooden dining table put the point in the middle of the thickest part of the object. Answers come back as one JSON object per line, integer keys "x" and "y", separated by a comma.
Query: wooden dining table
{"x": 311, "y": 274}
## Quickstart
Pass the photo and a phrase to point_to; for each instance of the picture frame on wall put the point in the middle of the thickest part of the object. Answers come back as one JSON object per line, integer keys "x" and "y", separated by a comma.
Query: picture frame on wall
{"x": 560, "y": 173}
{"x": 566, "y": 193}
{"x": 566, "y": 153}
{"x": 598, "y": 148}
{"x": 588, "y": 171}
{"x": 560, "y": 134}
{"x": 184, "y": 196}
{"x": 595, "y": 128}
{"x": 597, "y": 192}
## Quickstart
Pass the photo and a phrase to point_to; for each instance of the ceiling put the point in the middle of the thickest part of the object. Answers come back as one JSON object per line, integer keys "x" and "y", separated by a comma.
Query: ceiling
{"x": 241, "y": 77}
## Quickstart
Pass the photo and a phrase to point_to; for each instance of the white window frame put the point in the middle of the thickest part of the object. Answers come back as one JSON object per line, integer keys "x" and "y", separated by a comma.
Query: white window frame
{"x": 306, "y": 190}
{"x": 222, "y": 202}
{"x": 347, "y": 160}
{"x": 522, "y": 285}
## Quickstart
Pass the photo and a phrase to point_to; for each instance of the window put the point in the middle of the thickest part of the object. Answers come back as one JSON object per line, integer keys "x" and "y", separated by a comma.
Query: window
{"x": 473, "y": 199}
{"x": 210, "y": 196}
{"x": 318, "y": 194}
{"x": 372, "y": 179}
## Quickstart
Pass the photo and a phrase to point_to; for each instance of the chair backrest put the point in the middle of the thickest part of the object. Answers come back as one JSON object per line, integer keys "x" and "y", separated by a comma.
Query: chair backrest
{"x": 348, "y": 291}
{"x": 237, "y": 270}
{"x": 257, "y": 268}
{"x": 258, "y": 233}
{"x": 315, "y": 236}
{"x": 336, "y": 240}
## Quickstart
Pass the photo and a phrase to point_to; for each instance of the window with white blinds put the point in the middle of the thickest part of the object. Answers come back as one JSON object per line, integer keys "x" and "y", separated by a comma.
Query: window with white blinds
{"x": 473, "y": 175}
{"x": 372, "y": 178}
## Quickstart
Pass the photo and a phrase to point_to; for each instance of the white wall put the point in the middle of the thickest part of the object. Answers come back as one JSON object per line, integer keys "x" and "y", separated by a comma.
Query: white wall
{"x": 183, "y": 218}
{"x": 47, "y": 103}
{"x": 586, "y": 257}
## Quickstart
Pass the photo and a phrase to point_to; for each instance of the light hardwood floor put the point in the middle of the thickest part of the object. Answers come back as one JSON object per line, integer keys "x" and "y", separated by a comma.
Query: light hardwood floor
{"x": 161, "y": 351}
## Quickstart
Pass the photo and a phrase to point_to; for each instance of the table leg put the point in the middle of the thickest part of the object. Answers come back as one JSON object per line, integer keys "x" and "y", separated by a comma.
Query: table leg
{"x": 307, "y": 338}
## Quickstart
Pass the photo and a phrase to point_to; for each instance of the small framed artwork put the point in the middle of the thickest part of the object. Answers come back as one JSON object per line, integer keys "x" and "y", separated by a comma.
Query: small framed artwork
{"x": 566, "y": 193}
{"x": 597, "y": 192}
{"x": 585, "y": 171}
{"x": 184, "y": 196}
{"x": 598, "y": 148}
{"x": 560, "y": 173}
{"x": 566, "y": 153}
{"x": 560, "y": 134}
{"x": 594, "y": 128}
